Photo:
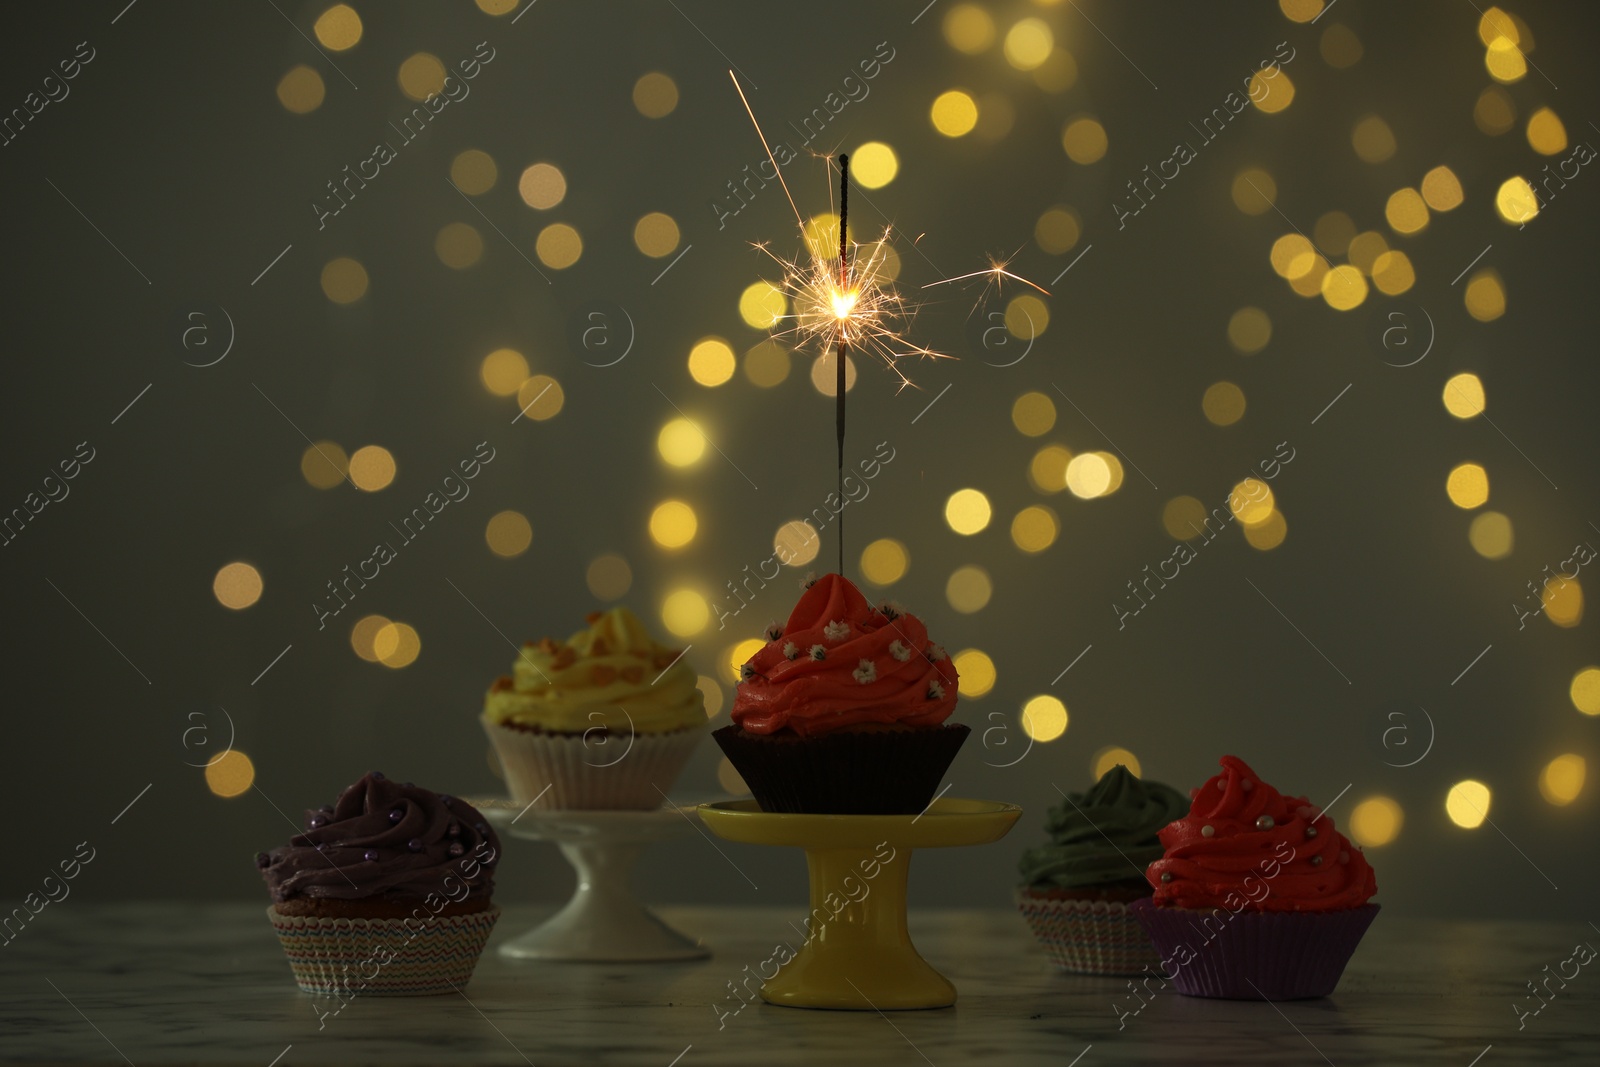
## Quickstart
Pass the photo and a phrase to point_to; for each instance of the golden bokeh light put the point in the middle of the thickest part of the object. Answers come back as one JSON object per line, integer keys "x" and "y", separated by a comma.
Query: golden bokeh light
{"x": 996, "y": 116}
{"x": 364, "y": 635}
{"x": 1084, "y": 140}
{"x": 884, "y": 561}
{"x": 1333, "y": 233}
{"x": 967, "y": 511}
{"x": 730, "y": 781}
{"x": 1585, "y": 690}
{"x": 1271, "y": 90}
{"x": 1107, "y": 758}
{"x": 1340, "y": 47}
{"x": 498, "y": 7}
{"x": 1254, "y": 191}
{"x": 508, "y": 534}
{"x": 1364, "y": 250}
{"x": 230, "y": 774}
{"x": 656, "y": 234}
{"x": 324, "y": 464}
{"x": 1026, "y": 317}
{"x": 474, "y": 172}
{"x": 1546, "y": 134}
{"x": 397, "y": 645}
{"x": 1028, "y": 43}
{"x": 954, "y": 113}
{"x": 1373, "y": 140}
{"x": 1406, "y": 211}
{"x": 503, "y": 371}
{"x": 968, "y": 28}
{"x": 766, "y": 364}
{"x": 609, "y": 577}
{"x": 1033, "y": 414}
{"x": 1088, "y": 475}
{"x": 458, "y": 245}
{"x": 968, "y": 589}
{"x": 712, "y": 692}
{"x": 1494, "y": 24}
{"x": 1267, "y": 535}
{"x": 673, "y": 524}
{"x": 301, "y": 90}
{"x": 1505, "y": 61}
{"x": 1114, "y": 467}
{"x": 1441, "y": 189}
{"x": 338, "y": 28}
{"x": 1252, "y": 502}
{"x": 1562, "y": 779}
{"x": 874, "y": 165}
{"x": 1184, "y": 517}
{"x": 681, "y": 443}
{"x": 1393, "y": 274}
{"x": 1047, "y": 471}
{"x": 542, "y": 186}
{"x": 1485, "y": 296}
{"x": 655, "y": 95}
{"x": 796, "y": 543}
{"x": 344, "y": 280}
{"x": 1468, "y": 486}
{"x": 1344, "y": 287}
{"x": 762, "y": 305}
{"x": 685, "y": 612}
{"x": 1300, "y": 10}
{"x": 558, "y": 246}
{"x": 421, "y": 76}
{"x": 1057, "y": 230}
{"x": 236, "y": 586}
{"x": 1035, "y": 528}
{"x": 976, "y": 671}
{"x": 1249, "y": 330}
{"x": 1467, "y": 803}
{"x": 372, "y": 468}
{"x": 541, "y": 397}
{"x": 1463, "y": 396}
{"x": 1375, "y": 822}
{"x": 1289, "y": 251}
{"x": 1562, "y": 600}
{"x": 1044, "y": 718}
{"x": 711, "y": 361}
{"x": 1495, "y": 112}
{"x": 738, "y": 655}
{"x": 1491, "y": 535}
{"x": 1223, "y": 404}
{"x": 821, "y": 233}
{"x": 825, "y": 374}
{"x": 1307, "y": 274}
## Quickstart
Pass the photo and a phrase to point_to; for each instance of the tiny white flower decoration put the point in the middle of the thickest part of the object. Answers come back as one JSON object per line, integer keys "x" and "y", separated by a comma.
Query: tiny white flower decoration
{"x": 746, "y": 672}
{"x": 890, "y": 609}
{"x": 899, "y": 651}
{"x": 818, "y": 652}
{"x": 935, "y": 690}
{"x": 809, "y": 580}
{"x": 934, "y": 652}
{"x": 837, "y": 630}
{"x": 774, "y": 630}
{"x": 790, "y": 651}
{"x": 866, "y": 672}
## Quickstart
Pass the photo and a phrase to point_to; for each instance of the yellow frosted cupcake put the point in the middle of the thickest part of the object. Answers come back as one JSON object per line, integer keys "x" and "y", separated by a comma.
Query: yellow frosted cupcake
{"x": 605, "y": 719}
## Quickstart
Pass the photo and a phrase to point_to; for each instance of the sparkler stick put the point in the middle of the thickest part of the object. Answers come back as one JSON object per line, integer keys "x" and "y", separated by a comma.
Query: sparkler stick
{"x": 839, "y": 383}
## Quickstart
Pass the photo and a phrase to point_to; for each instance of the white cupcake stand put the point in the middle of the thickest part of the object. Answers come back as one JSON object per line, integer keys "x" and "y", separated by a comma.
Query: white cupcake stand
{"x": 603, "y": 922}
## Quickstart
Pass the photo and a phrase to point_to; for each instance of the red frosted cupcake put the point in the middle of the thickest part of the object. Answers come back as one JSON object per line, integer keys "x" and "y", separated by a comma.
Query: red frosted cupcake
{"x": 843, "y": 711}
{"x": 1258, "y": 896}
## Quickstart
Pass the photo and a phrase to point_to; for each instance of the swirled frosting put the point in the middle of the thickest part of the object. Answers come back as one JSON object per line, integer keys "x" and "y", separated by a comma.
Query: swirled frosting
{"x": 1103, "y": 835}
{"x": 613, "y": 675}
{"x": 1244, "y": 841}
{"x": 386, "y": 840}
{"x": 840, "y": 662}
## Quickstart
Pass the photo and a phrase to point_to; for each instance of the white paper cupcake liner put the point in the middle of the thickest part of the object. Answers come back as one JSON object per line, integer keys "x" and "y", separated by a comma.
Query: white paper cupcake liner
{"x": 383, "y": 957}
{"x": 1089, "y": 936}
{"x": 573, "y": 772}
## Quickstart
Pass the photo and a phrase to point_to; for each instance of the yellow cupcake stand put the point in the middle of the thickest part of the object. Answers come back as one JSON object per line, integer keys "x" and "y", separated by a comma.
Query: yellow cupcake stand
{"x": 857, "y": 953}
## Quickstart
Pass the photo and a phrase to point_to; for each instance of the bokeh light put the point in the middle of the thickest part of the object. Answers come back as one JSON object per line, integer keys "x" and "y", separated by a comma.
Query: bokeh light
{"x": 1047, "y": 471}
{"x": 1392, "y": 273}
{"x": 1467, "y": 803}
{"x": 673, "y": 524}
{"x": 421, "y": 76}
{"x": 954, "y": 113}
{"x": 728, "y": 778}
{"x": 1108, "y": 758}
{"x": 1340, "y": 47}
{"x": 796, "y": 543}
{"x": 1333, "y": 233}
{"x": 656, "y": 234}
{"x": 301, "y": 90}
{"x": 338, "y": 28}
{"x": 1249, "y": 330}
{"x": 1468, "y": 486}
{"x": 1516, "y": 201}
{"x": 655, "y": 95}
{"x": 766, "y": 364}
{"x": 1033, "y": 414}
{"x": 762, "y": 305}
{"x": 1494, "y": 112}
{"x": 1057, "y": 230}
{"x": 681, "y": 443}
{"x": 1546, "y": 134}
{"x": 1026, "y": 317}
{"x": 1028, "y": 43}
{"x": 542, "y": 186}
{"x": 1406, "y": 211}
{"x": 967, "y": 511}
{"x": 738, "y": 655}
{"x": 364, "y": 636}
{"x": 323, "y": 464}
{"x": 1088, "y": 475}
{"x": 458, "y": 245}
{"x": 1344, "y": 287}
{"x": 1289, "y": 251}
{"x": 1254, "y": 191}
{"x": 1268, "y": 534}
{"x": 1034, "y": 528}
{"x": 1463, "y": 396}
{"x": 1372, "y": 140}
{"x": 1252, "y": 502}
{"x": 874, "y": 165}
{"x": 1585, "y": 690}
{"x": 1485, "y": 296}
{"x": 1270, "y": 90}
{"x": 711, "y": 361}
{"x": 508, "y": 534}
{"x": 1184, "y": 517}
{"x": 685, "y": 612}
{"x": 1505, "y": 61}
{"x": 474, "y": 172}
{"x": 372, "y": 468}
{"x": 1375, "y": 822}
{"x": 1442, "y": 189}
{"x": 1563, "y": 602}
{"x": 230, "y": 774}
{"x": 609, "y": 577}
{"x": 712, "y": 692}
{"x": 968, "y": 589}
{"x": 1491, "y": 535}
{"x": 1223, "y": 404}
{"x": 976, "y": 671}
{"x": 825, "y": 374}
{"x": 1562, "y": 779}
{"x": 397, "y": 645}
{"x": 1084, "y": 140}
{"x": 1300, "y": 10}
{"x": 1044, "y": 718}
{"x": 559, "y": 246}
{"x": 884, "y": 561}
{"x": 236, "y": 586}
{"x": 969, "y": 28}
{"x": 541, "y": 397}
{"x": 344, "y": 280}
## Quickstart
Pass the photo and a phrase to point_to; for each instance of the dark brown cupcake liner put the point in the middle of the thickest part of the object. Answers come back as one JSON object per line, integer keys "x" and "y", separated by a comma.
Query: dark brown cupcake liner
{"x": 848, "y": 772}
{"x": 1254, "y": 955}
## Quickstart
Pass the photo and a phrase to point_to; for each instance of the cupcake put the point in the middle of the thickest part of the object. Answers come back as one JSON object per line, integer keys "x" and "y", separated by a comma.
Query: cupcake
{"x": 1257, "y": 895}
{"x": 605, "y": 719}
{"x": 385, "y": 893}
{"x": 1076, "y": 889}
{"x": 843, "y": 711}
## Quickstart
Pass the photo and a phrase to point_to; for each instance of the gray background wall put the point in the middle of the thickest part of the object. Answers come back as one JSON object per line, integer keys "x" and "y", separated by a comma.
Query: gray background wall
{"x": 173, "y": 143}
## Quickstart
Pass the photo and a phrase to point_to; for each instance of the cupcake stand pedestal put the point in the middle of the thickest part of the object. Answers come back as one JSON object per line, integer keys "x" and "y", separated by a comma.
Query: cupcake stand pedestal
{"x": 857, "y": 953}
{"x": 602, "y": 923}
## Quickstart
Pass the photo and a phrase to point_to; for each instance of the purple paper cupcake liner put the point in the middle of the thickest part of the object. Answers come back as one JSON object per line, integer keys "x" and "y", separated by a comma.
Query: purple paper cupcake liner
{"x": 851, "y": 772}
{"x": 1254, "y": 955}
{"x": 1088, "y": 936}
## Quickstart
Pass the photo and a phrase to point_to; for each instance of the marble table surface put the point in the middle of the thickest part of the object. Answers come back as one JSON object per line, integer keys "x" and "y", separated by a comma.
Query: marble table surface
{"x": 157, "y": 984}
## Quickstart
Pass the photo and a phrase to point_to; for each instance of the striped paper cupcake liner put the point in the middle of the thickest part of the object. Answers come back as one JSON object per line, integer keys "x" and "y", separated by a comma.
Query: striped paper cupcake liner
{"x": 383, "y": 957}
{"x": 1089, "y": 936}
{"x": 578, "y": 772}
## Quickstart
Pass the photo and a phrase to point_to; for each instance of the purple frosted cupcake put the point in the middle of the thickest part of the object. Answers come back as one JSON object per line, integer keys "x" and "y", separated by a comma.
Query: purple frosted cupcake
{"x": 386, "y": 892}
